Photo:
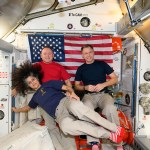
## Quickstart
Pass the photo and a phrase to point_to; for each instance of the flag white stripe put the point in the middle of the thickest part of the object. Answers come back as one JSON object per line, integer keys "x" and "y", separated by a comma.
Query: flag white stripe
{"x": 72, "y": 78}
{"x": 96, "y": 56}
{"x": 71, "y": 71}
{"x": 101, "y": 41}
{"x": 71, "y": 63}
{"x": 74, "y": 48}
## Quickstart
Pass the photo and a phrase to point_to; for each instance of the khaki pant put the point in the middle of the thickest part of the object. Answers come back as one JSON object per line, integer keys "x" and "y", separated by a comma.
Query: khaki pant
{"x": 59, "y": 139}
{"x": 75, "y": 118}
{"x": 106, "y": 103}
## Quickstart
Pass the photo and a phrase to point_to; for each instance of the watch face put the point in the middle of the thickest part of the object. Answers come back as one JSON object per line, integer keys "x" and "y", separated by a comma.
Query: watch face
{"x": 85, "y": 22}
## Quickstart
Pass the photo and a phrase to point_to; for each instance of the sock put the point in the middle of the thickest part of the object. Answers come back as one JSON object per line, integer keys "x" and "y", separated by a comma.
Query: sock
{"x": 120, "y": 131}
{"x": 115, "y": 138}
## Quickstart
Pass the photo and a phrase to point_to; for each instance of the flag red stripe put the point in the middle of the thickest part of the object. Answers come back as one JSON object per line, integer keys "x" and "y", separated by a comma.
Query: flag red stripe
{"x": 71, "y": 67}
{"x": 72, "y": 75}
{"x": 72, "y": 82}
{"x": 73, "y": 60}
{"x": 73, "y": 38}
{"x": 81, "y": 60}
{"x": 94, "y": 45}
{"x": 72, "y": 52}
{"x": 96, "y": 52}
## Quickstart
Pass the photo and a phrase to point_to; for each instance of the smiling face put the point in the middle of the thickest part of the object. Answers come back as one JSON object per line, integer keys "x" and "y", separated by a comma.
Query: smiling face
{"x": 33, "y": 82}
{"x": 47, "y": 55}
{"x": 88, "y": 55}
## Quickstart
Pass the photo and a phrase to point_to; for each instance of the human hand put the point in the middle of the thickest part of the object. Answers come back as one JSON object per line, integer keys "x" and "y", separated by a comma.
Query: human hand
{"x": 74, "y": 96}
{"x": 14, "y": 92}
{"x": 14, "y": 109}
{"x": 67, "y": 94}
{"x": 90, "y": 88}
{"x": 99, "y": 87}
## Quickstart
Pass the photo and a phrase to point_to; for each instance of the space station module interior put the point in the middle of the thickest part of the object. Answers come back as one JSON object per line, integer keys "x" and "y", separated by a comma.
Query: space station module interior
{"x": 131, "y": 63}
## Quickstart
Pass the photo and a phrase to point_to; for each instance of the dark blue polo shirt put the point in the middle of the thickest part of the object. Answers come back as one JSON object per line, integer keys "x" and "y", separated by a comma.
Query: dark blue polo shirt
{"x": 92, "y": 74}
{"x": 48, "y": 96}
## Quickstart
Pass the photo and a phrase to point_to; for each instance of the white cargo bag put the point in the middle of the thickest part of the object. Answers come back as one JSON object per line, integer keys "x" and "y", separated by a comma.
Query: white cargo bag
{"x": 30, "y": 136}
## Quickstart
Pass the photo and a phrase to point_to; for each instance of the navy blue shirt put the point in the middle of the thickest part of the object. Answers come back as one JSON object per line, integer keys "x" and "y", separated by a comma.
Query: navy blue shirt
{"x": 92, "y": 74}
{"x": 48, "y": 96}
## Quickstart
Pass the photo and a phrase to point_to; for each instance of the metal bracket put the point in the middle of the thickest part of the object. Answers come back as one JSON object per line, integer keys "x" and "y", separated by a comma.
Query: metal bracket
{"x": 134, "y": 22}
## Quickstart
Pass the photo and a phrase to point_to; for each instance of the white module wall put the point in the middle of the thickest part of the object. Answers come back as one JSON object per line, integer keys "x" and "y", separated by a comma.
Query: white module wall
{"x": 136, "y": 90}
{"x": 143, "y": 92}
{"x": 4, "y": 110}
{"x": 5, "y": 98}
{"x": 99, "y": 18}
{"x": 4, "y": 67}
{"x": 117, "y": 65}
{"x": 128, "y": 76}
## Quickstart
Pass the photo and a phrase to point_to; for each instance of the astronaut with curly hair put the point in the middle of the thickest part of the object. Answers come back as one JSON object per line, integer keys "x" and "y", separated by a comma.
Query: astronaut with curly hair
{"x": 73, "y": 117}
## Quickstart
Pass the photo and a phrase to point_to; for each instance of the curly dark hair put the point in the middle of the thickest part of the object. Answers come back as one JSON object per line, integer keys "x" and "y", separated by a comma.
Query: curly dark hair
{"x": 21, "y": 73}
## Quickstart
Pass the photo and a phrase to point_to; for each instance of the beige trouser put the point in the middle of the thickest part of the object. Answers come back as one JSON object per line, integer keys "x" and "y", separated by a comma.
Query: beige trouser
{"x": 59, "y": 139}
{"x": 106, "y": 103}
{"x": 75, "y": 118}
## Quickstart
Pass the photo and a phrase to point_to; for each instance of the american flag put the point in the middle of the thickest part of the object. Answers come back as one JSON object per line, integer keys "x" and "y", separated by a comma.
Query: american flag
{"x": 67, "y": 49}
